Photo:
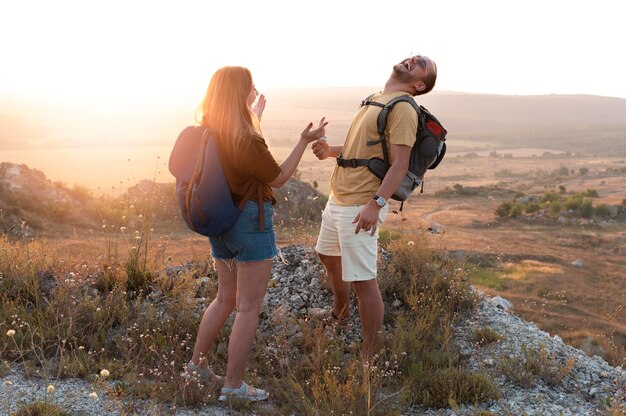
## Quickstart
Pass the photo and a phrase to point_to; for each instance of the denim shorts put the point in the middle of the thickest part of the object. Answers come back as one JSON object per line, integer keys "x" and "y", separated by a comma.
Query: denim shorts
{"x": 245, "y": 242}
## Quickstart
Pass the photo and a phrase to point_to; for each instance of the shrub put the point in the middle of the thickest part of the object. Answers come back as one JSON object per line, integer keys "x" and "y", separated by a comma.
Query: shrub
{"x": 39, "y": 408}
{"x": 486, "y": 335}
{"x": 503, "y": 209}
{"x": 550, "y": 196}
{"x": 586, "y": 209}
{"x": 603, "y": 210}
{"x": 532, "y": 365}
{"x": 516, "y": 209}
{"x": 532, "y": 207}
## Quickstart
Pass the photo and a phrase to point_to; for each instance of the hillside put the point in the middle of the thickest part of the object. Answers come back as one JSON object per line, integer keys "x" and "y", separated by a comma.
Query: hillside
{"x": 33, "y": 206}
{"x": 530, "y": 371}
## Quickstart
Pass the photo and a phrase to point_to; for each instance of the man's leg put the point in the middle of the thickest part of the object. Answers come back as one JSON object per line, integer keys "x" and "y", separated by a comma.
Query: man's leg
{"x": 371, "y": 312}
{"x": 341, "y": 289}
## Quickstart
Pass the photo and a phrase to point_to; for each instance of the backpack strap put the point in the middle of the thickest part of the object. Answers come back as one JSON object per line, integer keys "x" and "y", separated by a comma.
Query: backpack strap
{"x": 381, "y": 124}
{"x": 247, "y": 197}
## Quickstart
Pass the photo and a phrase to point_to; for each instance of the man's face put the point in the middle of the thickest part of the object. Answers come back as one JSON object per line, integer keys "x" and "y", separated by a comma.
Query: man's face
{"x": 413, "y": 69}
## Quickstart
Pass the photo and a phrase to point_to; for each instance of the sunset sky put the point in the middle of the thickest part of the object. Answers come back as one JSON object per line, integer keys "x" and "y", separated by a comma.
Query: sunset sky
{"x": 128, "y": 53}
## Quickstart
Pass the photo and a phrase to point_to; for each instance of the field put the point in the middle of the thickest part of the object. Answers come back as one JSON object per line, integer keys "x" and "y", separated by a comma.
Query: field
{"x": 543, "y": 226}
{"x": 523, "y": 259}
{"x": 492, "y": 158}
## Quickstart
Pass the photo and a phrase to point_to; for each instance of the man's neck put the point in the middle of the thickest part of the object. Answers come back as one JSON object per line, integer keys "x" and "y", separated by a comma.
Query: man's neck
{"x": 393, "y": 85}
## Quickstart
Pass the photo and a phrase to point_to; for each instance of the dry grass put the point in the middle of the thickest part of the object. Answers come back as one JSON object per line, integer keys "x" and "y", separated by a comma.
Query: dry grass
{"x": 75, "y": 315}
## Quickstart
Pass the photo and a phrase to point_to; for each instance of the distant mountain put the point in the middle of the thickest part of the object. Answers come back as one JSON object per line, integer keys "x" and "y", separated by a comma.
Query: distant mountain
{"x": 576, "y": 123}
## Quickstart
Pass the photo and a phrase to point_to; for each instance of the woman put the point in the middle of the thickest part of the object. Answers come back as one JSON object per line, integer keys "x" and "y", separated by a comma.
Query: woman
{"x": 243, "y": 255}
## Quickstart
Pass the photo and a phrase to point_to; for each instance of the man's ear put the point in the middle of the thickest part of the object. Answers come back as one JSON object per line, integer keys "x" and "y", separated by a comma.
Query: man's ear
{"x": 419, "y": 86}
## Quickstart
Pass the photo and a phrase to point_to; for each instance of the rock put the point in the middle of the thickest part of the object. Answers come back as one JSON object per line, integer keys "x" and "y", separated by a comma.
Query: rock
{"x": 501, "y": 303}
{"x": 578, "y": 263}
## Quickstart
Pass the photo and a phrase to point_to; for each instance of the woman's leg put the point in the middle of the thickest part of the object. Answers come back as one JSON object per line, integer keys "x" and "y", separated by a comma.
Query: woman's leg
{"x": 252, "y": 280}
{"x": 218, "y": 311}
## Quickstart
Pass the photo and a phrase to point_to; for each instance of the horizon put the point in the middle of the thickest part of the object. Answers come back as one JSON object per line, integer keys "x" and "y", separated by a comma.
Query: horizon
{"x": 145, "y": 52}
{"x": 124, "y": 75}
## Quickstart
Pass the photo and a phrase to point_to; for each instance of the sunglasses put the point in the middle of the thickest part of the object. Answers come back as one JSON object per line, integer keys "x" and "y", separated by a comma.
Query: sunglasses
{"x": 421, "y": 62}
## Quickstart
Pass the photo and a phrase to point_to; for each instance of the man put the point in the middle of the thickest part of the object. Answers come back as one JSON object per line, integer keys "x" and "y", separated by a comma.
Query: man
{"x": 348, "y": 241}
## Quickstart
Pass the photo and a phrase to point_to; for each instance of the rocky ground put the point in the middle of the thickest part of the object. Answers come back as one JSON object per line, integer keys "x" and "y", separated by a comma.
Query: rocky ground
{"x": 585, "y": 389}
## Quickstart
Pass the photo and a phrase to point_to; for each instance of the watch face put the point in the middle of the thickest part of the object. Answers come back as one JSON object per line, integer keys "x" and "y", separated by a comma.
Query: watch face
{"x": 380, "y": 201}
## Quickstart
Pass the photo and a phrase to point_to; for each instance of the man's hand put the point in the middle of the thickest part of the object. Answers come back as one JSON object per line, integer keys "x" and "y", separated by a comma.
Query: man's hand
{"x": 321, "y": 149}
{"x": 367, "y": 218}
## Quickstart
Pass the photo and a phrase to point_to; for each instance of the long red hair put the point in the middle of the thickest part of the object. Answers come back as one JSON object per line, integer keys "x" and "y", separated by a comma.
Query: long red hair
{"x": 224, "y": 108}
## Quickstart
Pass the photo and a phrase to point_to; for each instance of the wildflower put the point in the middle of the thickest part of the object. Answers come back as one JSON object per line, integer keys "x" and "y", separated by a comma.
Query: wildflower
{"x": 411, "y": 243}
{"x": 105, "y": 373}
{"x": 98, "y": 309}
{"x": 93, "y": 395}
{"x": 10, "y": 332}
{"x": 50, "y": 389}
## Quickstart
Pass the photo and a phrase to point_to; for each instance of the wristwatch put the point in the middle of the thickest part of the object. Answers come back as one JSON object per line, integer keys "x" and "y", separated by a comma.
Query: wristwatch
{"x": 380, "y": 200}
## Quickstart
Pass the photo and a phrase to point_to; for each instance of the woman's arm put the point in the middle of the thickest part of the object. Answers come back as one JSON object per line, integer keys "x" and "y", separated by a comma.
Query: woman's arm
{"x": 289, "y": 165}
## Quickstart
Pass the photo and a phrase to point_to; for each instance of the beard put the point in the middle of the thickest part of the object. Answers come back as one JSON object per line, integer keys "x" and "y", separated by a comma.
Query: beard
{"x": 399, "y": 74}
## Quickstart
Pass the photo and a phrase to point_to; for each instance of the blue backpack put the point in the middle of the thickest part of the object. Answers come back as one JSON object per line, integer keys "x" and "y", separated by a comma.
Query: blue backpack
{"x": 202, "y": 190}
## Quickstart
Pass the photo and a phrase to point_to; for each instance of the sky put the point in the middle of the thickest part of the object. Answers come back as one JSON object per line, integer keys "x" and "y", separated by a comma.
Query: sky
{"x": 134, "y": 53}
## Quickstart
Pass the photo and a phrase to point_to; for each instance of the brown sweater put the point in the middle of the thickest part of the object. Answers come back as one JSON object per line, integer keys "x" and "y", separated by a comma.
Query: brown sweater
{"x": 251, "y": 163}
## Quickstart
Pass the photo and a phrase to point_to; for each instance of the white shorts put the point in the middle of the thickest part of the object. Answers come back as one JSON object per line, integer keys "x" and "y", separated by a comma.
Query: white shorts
{"x": 337, "y": 238}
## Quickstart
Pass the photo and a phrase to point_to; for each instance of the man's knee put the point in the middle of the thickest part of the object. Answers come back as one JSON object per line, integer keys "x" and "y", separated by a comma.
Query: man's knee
{"x": 329, "y": 261}
{"x": 366, "y": 287}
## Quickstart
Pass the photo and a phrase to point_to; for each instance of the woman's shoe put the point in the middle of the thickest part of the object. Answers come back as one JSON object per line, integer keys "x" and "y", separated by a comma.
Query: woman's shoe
{"x": 205, "y": 375}
{"x": 244, "y": 392}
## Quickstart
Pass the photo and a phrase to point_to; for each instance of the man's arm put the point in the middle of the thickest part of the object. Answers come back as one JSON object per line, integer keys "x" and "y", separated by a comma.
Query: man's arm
{"x": 367, "y": 218}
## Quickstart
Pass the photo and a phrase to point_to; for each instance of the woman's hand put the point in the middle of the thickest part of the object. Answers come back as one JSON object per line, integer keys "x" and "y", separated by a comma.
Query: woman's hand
{"x": 259, "y": 106}
{"x": 309, "y": 135}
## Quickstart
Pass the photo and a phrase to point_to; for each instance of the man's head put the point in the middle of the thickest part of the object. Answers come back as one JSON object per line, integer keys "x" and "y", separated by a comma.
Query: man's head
{"x": 418, "y": 72}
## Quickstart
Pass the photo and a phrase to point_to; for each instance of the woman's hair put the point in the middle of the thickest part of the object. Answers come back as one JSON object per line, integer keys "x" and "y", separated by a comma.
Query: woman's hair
{"x": 225, "y": 109}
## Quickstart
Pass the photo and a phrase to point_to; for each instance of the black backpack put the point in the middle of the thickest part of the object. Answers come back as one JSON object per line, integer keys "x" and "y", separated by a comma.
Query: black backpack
{"x": 428, "y": 150}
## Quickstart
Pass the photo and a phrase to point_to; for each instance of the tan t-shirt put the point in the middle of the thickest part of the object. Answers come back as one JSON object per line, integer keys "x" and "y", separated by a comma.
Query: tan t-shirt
{"x": 250, "y": 163}
{"x": 356, "y": 186}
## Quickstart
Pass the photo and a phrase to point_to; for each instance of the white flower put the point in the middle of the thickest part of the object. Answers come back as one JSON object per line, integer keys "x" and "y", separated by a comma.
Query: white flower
{"x": 411, "y": 243}
{"x": 10, "y": 332}
{"x": 50, "y": 389}
{"x": 105, "y": 373}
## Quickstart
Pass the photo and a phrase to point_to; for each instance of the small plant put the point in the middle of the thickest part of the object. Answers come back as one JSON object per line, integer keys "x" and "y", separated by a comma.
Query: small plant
{"x": 535, "y": 364}
{"x": 386, "y": 236}
{"x": 39, "y": 408}
{"x": 486, "y": 335}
